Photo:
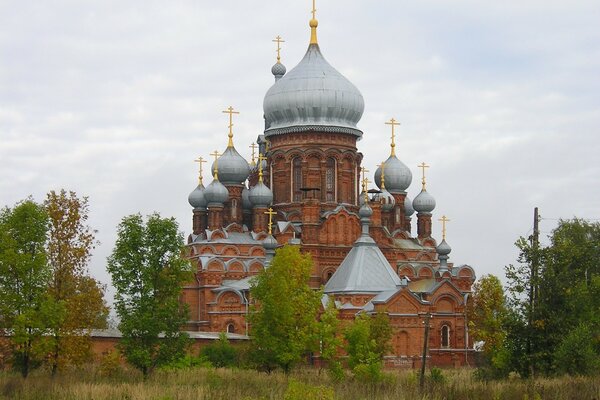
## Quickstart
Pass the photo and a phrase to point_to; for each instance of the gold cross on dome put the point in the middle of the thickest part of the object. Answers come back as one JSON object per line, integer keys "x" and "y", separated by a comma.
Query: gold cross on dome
{"x": 270, "y": 213}
{"x": 216, "y": 155}
{"x": 443, "y": 220}
{"x": 393, "y": 123}
{"x": 261, "y": 158}
{"x": 382, "y": 166}
{"x": 423, "y": 166}
{"x": 253, "y": 147}
{"x": 200, "y": 161}
{"x": 278, "y": 40}
{"x": 364, "y": 172}
{"x": 230, "y": 111}
{"x": 314, "y": 10}
{"x": 365, "y": 184}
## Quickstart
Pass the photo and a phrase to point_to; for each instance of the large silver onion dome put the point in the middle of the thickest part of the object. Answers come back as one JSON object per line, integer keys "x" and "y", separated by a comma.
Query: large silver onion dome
{"x": 233, "y": 168}
{"x": 424, "y": 202}
{"x": 397, "y": 175}
{"x": 408, "y": 208}
{"x": 216, "y": 193}
{"x": 313, "y": 95}
{"x": 196, "y": 198}
{"x": 260, "y": 195}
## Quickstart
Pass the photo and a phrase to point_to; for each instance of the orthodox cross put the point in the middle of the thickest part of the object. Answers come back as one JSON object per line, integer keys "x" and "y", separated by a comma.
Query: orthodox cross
{"x": 314, "y": 10}
{"x": 364, "y": 171}
{"x": 423, "y": 166}
{"x": 253, "y": 147}
{"x": 365, "y": 183}
{"x": 270, "y": 213}
{"x": 216, "y": 155}
{"x": 230, "y": 111}
{"x": 200, "y": 161}
{"x": 443, "y": 220}
{"x": 382, "y": 166}
{"x": 278, "y": 40}
{"x": 313, "y": 25}
{"x": 393, "y": 123}
{"x": 260, "y": 170}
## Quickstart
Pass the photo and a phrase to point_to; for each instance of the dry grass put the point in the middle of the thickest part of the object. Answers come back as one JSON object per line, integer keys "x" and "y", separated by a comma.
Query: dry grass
{"x": 89, "y": 383}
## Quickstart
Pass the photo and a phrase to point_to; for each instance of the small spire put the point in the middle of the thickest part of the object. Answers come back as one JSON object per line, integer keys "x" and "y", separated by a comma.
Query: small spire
{"x": 270, "y": 213}
{"x": 216, "y": 155}
{"x": 393, "y": 123}
{"x": 253, "y": 147}
{"x": 443, "y": 220}
{"x": 382, "y": 166}
{"x": 365, "y": 183}
{"x": 313, "y": 24}
{"x": 423, "y": 166}
{"x": 260, "y": 170}
{"x": 200, "y": 161}
{"x": 230, "y": 111}
{"x": 278, "y": 40}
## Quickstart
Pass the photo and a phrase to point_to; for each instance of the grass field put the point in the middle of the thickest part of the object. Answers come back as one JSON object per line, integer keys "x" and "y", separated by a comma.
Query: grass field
{"x": 201, "y": 383}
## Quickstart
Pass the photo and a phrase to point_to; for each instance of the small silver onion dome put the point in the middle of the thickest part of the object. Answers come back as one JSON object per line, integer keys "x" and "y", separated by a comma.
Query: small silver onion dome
{"x": 233, "y": 168}
{"x": 270, "y": 243}
{"x": 386, "y": 199}
{"x": 408, "y": 208}
{"x": 260, "y": 195}
{"x": 365, "y": 211}
{"x": 216, "y": 193}
{"x": 196, "y": 198}
{"x": 397, "y": 175}
{"x": 424, "y": 202}
{"x": 278, "y": 70}
{"x": 246, "y": 204}
{"x": 313, "y": 95}
{"x": 443, "y": 248}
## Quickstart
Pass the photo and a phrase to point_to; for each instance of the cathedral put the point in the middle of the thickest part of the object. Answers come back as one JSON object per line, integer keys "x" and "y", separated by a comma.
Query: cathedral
{"x": 373, "y": 249}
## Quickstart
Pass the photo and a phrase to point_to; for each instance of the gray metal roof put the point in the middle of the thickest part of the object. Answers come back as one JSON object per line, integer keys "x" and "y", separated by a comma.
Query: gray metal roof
{"x": 313, "y": 95}
{"x": 364, "y": 270}
{"x": 115, "y": 333}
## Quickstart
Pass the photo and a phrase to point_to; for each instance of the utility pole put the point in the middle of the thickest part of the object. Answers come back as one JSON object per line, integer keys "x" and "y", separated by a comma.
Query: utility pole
{"x": 425, "y": 344}
{"x": 533, "y": 282}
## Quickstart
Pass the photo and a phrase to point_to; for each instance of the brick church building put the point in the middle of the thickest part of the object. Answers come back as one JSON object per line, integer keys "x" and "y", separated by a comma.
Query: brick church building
{"x": 373, "y": 250}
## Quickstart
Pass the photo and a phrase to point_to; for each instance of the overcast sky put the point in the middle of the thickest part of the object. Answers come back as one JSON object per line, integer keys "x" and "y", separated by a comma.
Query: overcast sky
{"x": 114, "y": 99}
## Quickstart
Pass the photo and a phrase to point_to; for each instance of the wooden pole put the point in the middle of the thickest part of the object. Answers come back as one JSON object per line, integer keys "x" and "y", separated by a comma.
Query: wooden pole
{"x": 425, "y": 345}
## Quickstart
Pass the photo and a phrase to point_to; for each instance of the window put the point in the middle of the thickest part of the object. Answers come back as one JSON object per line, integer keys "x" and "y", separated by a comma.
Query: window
{"x": 233, "y": 209}
{"x": 330, "y": 180}
{"x": 445, "y": 336}
{"x": 230, "y": 328}
{"x": 297, "y": 179}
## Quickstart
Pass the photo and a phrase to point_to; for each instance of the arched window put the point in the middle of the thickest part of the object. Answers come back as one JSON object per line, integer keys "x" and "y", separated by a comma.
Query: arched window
{"x": 445, "y": 336}
{"x": 230, "y": 328}
{"x": 328, "y": 276}
{"x": 330, "y": 180}
{"x": 233, "y": 209}
{"x": 297, "y": 179}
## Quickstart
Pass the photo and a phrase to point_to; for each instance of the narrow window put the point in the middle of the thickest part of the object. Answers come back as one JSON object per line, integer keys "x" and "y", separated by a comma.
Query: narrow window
{"x": 330, "y": 180}
{"x": 230, "y": 328}
{"x": 297, "y": 177}
{"x": 445, "y": 336}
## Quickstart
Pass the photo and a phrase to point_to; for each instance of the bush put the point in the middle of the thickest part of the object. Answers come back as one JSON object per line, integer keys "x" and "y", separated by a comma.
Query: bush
{"x": 220, "y": 354}
{"x": 110, "y": 364}
{"x": 576, "y": 354}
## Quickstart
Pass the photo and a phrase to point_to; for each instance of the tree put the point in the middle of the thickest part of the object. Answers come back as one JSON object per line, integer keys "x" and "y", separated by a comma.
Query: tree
{"x": 367, "y": 340}
{"x": 330, "y": 340}
{"x": 24, "y": 276}
{"x": 69, "y": 249}
{"x": 148, "y": 271}
{"x": 284, "y": 316}
{"x": 221, "y": 353}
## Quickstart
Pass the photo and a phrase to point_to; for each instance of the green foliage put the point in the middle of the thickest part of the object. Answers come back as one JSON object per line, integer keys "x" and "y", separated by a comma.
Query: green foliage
{"x": 284, "y": 317}
{"x": 25, "y": 308}
{"x": 576, "y": 354}
{"x": 436, "y": 376}
{"x": 148, "y": 271}
{"x": 330, "y": 340}
{"x": 81, "y": 297}
{"x": 302, "y": 391}
{"x": 220, "y": 354}
{"x": 110, "y": 365}
{"x": 367, "y": 339}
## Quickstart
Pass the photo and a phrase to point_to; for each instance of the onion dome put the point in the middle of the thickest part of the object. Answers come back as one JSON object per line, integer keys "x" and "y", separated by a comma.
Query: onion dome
{"x": 386, "y": 199}
{"x": 246, "y": 204}
{"x": 196, "y": 198}
{"x": 278, "y": 70}
{"x": 260, "y": 195}
{"x": 270, "y": 243}
{"x": 443, "y": 248}
{"x": 408, "y": 208}
{"x": 233, "y": 168}
{"x": 424, "y": 202}
{"x": 216, "y": 193}
{"x": 365, "y": 211}
{"x": 397, "y": 175}
{"x": 313, "y": 95}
